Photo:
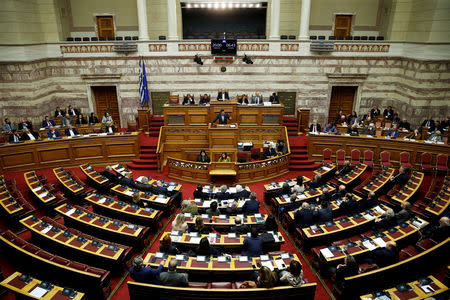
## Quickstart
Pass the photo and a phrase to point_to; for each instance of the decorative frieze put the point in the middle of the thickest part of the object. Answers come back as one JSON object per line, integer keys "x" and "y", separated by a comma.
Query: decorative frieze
{"x": 361, "y": 48}
{"x": 157, "y": 47}
{"x": 194, "y": 47}
{"x": 289, "y": 47}
{"x": 87, "y": 49}
{"x": 253, "y": 47}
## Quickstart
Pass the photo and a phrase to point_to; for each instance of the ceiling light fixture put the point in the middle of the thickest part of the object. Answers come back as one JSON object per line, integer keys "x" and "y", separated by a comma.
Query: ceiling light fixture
{"x": 188, "y": 5}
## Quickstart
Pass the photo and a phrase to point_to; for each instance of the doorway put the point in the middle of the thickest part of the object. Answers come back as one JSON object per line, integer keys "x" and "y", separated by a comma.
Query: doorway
{"x": 106, "y": 101}
{"x": 105, "y": 27}
{"x": 342, "y": 25}
{"x": 342, "y": 97}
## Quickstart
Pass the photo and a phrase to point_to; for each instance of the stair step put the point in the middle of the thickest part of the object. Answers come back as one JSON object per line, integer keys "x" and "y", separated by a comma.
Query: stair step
{"x": 148, "y": 151}
{"x": 289, "y": 119}
{"x": 299, "y": 156}
{"x": 144, "y": 161}
{"x": 142, "y": 167}
{"x": 302, "y": 167}
{"x": 147, "y": 156}
{"x": 300, "y": 162}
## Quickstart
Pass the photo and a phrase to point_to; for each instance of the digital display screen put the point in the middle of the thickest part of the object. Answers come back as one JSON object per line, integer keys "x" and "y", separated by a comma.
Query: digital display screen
{"x": 223, "y": 47}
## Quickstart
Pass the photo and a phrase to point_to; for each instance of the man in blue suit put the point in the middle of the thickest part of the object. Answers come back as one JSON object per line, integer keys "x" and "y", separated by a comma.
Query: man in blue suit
{"x": 159, "y": 189}
{"x": 393, "y": 132}
{"x": 47, "y": 122}
{"x": 324, "y": 214}
{"x": 303, "y": 216}
{"x": 53, "y": 133}
{"x": 140, "y": 273}
{"x": 253, "y": 245}
{"x": 128, "y": 181}
{"x": 223, "y": 118}
{"x": 70, "y": 131}
{"x": 251, "y": 206}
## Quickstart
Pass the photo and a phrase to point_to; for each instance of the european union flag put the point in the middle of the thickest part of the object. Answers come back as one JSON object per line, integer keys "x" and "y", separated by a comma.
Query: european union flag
{"x": 143, "y": 91}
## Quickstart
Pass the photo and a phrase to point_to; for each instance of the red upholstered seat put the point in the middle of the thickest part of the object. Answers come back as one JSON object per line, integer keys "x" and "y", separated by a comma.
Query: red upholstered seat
{"x": 95, "y": 271}
{"x": 61, "y": 261}
{"x": 404, "y": 160}
{"x": 255, "y": 153}
{"x": 425, "y": 244}
{"x": 356, "y": 155}
{"x": 368, "y": 157}
{"x": 222, "y": 285}
{"x": 199, "y": 285}
{"x": 45, "y": 255}
{"x": 410, "y": 251}
{"x": 385, "y": 159}
{"x": 241, "y": 156}
{"x": 441, "y": 164}
{"x": 426, "y": 162}
{"x": 340, "y": 157}
{"x": 327, "y": 156}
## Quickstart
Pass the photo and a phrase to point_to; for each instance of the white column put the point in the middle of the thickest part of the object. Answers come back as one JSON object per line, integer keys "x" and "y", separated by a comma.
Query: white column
{"x": 172, "y": 19}
{"x": 274, "y": 20}
{"x": 142, "y": 20}
{"x": 304, "y": 20}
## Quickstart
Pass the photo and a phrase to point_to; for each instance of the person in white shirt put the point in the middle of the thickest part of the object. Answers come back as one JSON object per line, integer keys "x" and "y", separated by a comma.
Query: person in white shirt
{"x": 107, "y": 118}
{"x": 223, "y": 95}
{"x": 315, "y": 127}
{"x": 29, "y": 136}
{"x": 70, "y": 131}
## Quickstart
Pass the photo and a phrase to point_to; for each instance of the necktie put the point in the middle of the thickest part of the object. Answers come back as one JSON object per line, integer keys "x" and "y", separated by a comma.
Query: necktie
{"x": 15, "y": 139}
{"x": 428, "y": 124}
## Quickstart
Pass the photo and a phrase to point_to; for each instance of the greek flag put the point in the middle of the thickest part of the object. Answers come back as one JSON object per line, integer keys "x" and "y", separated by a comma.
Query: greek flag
{"x": 143, "y": 91}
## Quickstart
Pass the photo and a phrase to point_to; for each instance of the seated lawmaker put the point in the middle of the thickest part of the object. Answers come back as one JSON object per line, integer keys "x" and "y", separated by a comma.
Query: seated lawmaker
{"x": 93, "y": 119}
{"x": 223, "y": 194}
{"x": 353, "y": 130}
{"x": 180, "y": 224}
{"x": 109, "y": 174}
{"x": 266, "y": 278}
{"x": 384, "y": 257}
{"x": 293, "y": 277}
{"x": 188, "y": 100}
{"x": 415, "y": 135}
{"x": 72, "y": 111}
{"x": 401, "y": 178}
{"x": 347, "y": 269}
{"x": 167, "y": 247}
{"x": 239, "y": 228}
{"x": 159, "y": 189}
{"x": 441, "y": 232}
{"x": 14, "y": 137}
{"x": 375, "y": 112}
{"x": 223, "y": 118}
{"x": 70, "y": 131}
{"x": 204, "y": 100}
{"x": 274, "y": 99}
{"x": 47, "y": 122}
{"x": 388, "y": 113}
{"x": 172, "y": 277}
{"x": 404, "y": 214}
{"x": 241, "y": 193}
{"x": 140, "y": 273}
{"x": 330, "y": 128}
{"x": 396, "y": 119}
{"x": 316, "y": 182}
{"x": 369, "y": 130}
{"x": 386, "y": 220}
{"x": 257, "y": 99}
{"x": 203, "y": 157}
{"x": 369, "y": 202}
{"x": 315, "y": 128}
{"x": 67, "y": 120}
{"x": 345, "y": 169}
{"x": 323, "y": 213}
{"x": 107, "y": 118}
{"x": 224, "y": 157}
{"x": 213, "y": 209}
{"x": 435, "y": 137}
{"x": 393, "y": 132}
{"x": 303, "y": 216}
{"x": 223, "y": 95}
{"x": 80, "y": 120}
{"x": 199, "y": 226}
{"x": 253, "y": 245}
{"x": 53, "y": 133}
{"x": 24, "y": 124}
{"x": 429, "y": 123}
{"x": 29, "y": 135}
{"x": 404, "y": 125}
{"x": 127, "y": 180}
{"x": 188, "y": 208}
{"x": 281, "y": 147}
{"x": 243, "y": 99}
{"x": 59, "y": 113}
{"x": 110, "y": 128}
{"x": 269, "y": 152}
{"x": 348, "y": 206}
{"x": 198, "y": 193}
{"x": 251, "y": 206}
{"x": 144, "y": 185}
{"x": 204, "y": 248}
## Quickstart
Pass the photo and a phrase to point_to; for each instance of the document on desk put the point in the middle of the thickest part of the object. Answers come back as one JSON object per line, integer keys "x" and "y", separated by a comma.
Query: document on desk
{"x": 369, "y": 217}
{"x": 326, "y": 253}
{"x": 268, "y": 264}
{"x": 102, "y": 200}
{"x": 129, "y": 193}
{"x": 379, "y": 209}
{"x": 38, "y": 292}
{"x": 206, "y": 204}
{"x": 70, "y": 212}
{"x": 195, "y": 240}
{"x": 280, "y": 264}
{"x": 379, "y": 242}
{"x": 369, "y": 245}
{"x": 326, "y": 168}
{"x": 139, "y": 179}
{"x": 46, "y": 229}
{"x": 36, "y": 189}
{"x": 301, "y": 196}
{"x": 160, "y": 199}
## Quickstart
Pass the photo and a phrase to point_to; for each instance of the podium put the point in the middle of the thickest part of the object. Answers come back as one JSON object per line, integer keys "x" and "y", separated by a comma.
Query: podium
{"x": 223, "y": 138}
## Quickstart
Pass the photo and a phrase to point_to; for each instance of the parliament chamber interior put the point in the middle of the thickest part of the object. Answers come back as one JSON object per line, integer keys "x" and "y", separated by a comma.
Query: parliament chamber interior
{"x": 241, "y": 149}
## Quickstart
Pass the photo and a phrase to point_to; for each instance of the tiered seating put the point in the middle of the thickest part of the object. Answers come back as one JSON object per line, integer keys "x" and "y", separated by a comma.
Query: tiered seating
{"x": 273, "y": 187}
{"x": 130, "y": 212}
{"x": 76, "y": 244}
{"x": 209, "y": 192}
{"x": 12, "y": 202}
{"x": 325, "y": 170}
{"x": 407, "y": 192}
{"x": 27, "y": 286}
{"x": 94, "y": 176}
{"x": 203, "y": 205}
{"x": 379, "y": 182}
{"x": 112, "y": 229}
{"x": 43, "y": 192}
{"x": 353, "y": 176}
{"x": 440, "y": 203}
{"x": 68, "y": 183}
{"x": 95, "y": 282}
{"x": 226, "y": 222}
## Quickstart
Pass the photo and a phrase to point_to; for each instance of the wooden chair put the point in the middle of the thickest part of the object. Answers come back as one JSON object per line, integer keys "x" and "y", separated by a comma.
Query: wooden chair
{"x": 426, "y": 162}
{"x": 340, "y": 157}
{"x": 385, "y": 159}
{"x": 356, "y": 157}
{"x": 442, "y": 162}
{"x": 368, "y": 157}
{"x": 404, "y": 160}
{"x": 327, "y": 156}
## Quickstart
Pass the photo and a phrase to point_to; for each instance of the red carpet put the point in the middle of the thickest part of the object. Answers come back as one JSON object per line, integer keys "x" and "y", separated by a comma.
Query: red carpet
{"x": 299, "y": 154}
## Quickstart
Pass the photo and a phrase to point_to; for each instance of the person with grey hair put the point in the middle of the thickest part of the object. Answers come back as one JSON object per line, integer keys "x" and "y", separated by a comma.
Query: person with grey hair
{"x": 144, "y": 185}
{"x": 317, "y": 182}
{"x": 190, "y": 208}
{"x": 159, "y": 189}
{"x": 405, "y": 214}
{"x": 241, "y": 193}
{"x": 435, "y": 137}
{"x": 140, "y": 273}
{"x": 441, "y": 232}
{"x": 172, "y": 277}
{"x": 348, "y": 268}
{"x": 315, "y": 128}
{"x": 303, "y": 217}
{"x": 223, "y": 194}
{"x": 386, "y": 220}
{"x": 251, "y": 206}
{"x": 239, "y": 228}
{"x": 109, "y": 174}
{"x": 67, "y": 120}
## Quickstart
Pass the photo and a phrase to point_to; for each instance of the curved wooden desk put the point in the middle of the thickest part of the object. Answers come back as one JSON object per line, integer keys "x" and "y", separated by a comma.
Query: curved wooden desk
{"x": 33, "y": 155}
{"x": 317, "y": 143}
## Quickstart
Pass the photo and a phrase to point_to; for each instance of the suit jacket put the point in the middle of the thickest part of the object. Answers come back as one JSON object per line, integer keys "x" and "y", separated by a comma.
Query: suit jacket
{"x": 333, "y": 129}
{"x": 274, "y": 100}
{"x": 160, "y": 190}
{"x": 240, "y": 229}
{"x": 311, "y": 127}
{"x": 111, "y": 176}
{"x": 392, "y": 133}
{"x": 66, "y": 121}
{"x": 303, "y": 218}
{"x": 314, "y": 184}
{"x": 353, "y": 131}
{"x": 368, "y": 203}
{"x": 128, "y": 182}
{"x": 250, "y": 207}
{"x": 25, "y": 136}
{"x": 145, "y": 187}
{"x": 388, "y": 114}
{"x": 403, "y": 216}
{"x": 384, "y": 257}
{"x": 204, "y": 101}
{"x": 349, "y": 207}
{"x": 431, "y": 125}
{"x": 243, "y": 100}
{"x": 222, "y": 196}
{"x": 146, "y": 274}
{"x": 344, "y": 170}
{"x": 11, "y": 138}
{"x": 323, "y": 215}
{"x": 369, "y": 131}
{"x": 400, "y": 178}
{"x": 269, "y": 152}
{"x": 186, "y": 101}
{"x": 67, "y": 133}
{"x": 257, "y": 100}
{"x": 7, "y": 127}
{"x": 174, "y": 279}
{"x": 374, "y": 112}
{"x": 74, "y": 112}
{"x": 404, "y": 125}
{"x": 253, "y": 247}
{"x": 223, "y": 120}
{"x": 93, "y": 120}
{"x": 46, "y": 124}
{"x": 52, "y": 135}
{"x": 27, "y": 124}
{"x": 244, "y": 194}
{"x": 61, "y": 113}
{"x": 80, "y": 121}
{"x": 203, "y": 159}
{"x": 219, "y": 96}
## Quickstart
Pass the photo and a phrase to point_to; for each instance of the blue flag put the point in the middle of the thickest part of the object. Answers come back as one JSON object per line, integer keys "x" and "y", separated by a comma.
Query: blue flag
{"x": 143, "y": 91}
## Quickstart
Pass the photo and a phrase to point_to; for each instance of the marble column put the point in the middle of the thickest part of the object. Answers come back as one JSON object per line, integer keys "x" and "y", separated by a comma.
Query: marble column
{"x": 172, "y": 19}
{"x": 142, "y": 20}
{"x": 304, "y": 20}
{"x": 274, "y": 20}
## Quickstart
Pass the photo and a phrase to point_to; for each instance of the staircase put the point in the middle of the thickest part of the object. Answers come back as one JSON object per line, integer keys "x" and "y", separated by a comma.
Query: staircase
{"x": 291, "y": 125}
{"x": 156, "y": 123}
{"x": 147, "y": 158}
{"x": 299, "y": 154}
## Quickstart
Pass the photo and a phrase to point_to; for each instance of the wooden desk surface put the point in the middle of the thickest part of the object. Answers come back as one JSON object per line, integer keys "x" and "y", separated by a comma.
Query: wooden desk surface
{"x": 37, "y": 189}
{"x": 89, "y": 171}
{"x": 380, "y": 181}
{"x": 442, "y": 200}
{"x": 227, "y": 221}
{"x": 307, "y": 195}
{"x": 410, "y": 188}
{"x": 353, "y": 175}
{"x": 226, "y": 172}
{"x": 31, "y": 289}
{"x": 67, "y": 181}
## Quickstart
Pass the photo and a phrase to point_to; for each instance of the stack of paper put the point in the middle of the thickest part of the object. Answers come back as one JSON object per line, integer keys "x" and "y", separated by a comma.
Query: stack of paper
{"x": 369, "y": 245}
{"x": 379, "y": 242}
{"x": 326, "y": 253}
{"x": 268, "y": 264}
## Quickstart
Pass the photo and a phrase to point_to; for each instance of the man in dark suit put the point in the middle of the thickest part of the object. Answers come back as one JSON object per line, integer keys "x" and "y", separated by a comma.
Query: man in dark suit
{"x": 441, "y": 232}
{"x": 140, "y": 273}
{"x": 109, "y": 174}
{"x": 303, "y": 217}
{"x": 223, "y": 117}
{"x": 315, "y": 127}
{"x": 204, "y": 100}
{"x": 59, "y": 113}
{"x": 159, "y": 189}
{"x": 24, "y": 124}
{"x": 223, "y": 95}
{"x": 70, "y": 131}
{"x": 375, "y": 112}
{"x": 188, "y": 100}
{"x": 393, "y": 132}
{"x": 253, "y": 245}
{"x": 14, "y": 137}
{"x": 72, "y": 111}
{"x": 349, "y": 206}
{"x": 340, "y": 193}
{"x": 269, "y": 152}
{"x": 223, "y": 194}
{"x": 404, "y": 125}
{"x": 371, "y": 201}
{"x": 383, "y": 257}
{"x": 241, "y": 192}
{"x": 323, "y": 214}
{"x": 257, "y": 99}
{"x": 388, "y": 113}
{"x": 144, "y": 185}
{"x": 404, "y": 214}
{"x": 429, "y": 122}
{"x": 30, "y": 135}
{"x": 326, "y": 195}
{"x": 172, "y": 277}
{"x": 401, "y": 178}
{"x": 239, "y": 228}
{"x": 47, "y": 122}
{"x": 317, "y": 182}
{"x": 127, "y": 180}
{"x": 251, "y": 206}
{"x": 274, "y": 99}
{"x": 53, "y": 133}
{"x": 345, "y": 169}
